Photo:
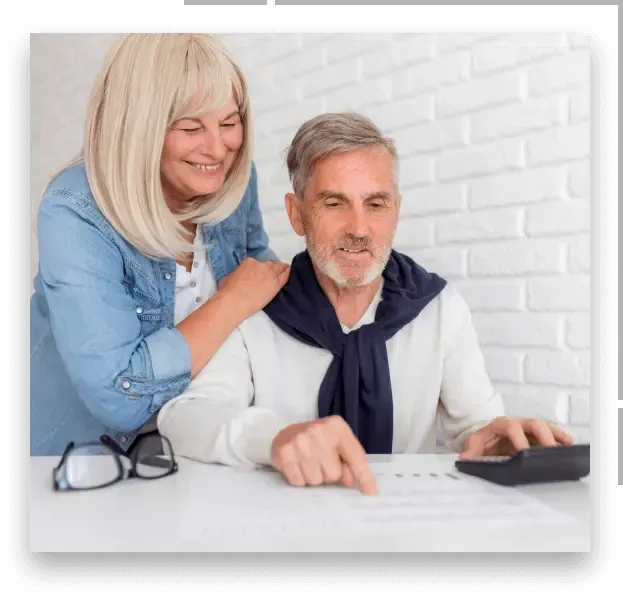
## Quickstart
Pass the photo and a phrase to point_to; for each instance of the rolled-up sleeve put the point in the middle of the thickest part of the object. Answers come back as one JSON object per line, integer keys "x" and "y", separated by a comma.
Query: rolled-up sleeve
{"x": 169, "y": 353}
{"x": 122, "y": 376}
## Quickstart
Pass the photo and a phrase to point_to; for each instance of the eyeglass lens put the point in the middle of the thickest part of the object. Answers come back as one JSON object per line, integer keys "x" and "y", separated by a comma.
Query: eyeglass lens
{"x": 154, "y": 457}
{"x": 91, "y": 466}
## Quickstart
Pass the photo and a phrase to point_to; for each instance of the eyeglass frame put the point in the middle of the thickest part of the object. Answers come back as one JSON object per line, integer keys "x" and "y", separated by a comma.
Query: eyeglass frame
{"x": 124, "y": 472}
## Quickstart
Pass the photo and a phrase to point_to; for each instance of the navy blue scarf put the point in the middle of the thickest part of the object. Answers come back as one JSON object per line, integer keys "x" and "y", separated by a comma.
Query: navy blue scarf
{"x": 357, "y": 385}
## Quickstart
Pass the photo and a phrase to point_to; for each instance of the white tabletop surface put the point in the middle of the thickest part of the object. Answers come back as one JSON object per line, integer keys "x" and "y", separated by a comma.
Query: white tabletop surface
{"x": 168, "y": 515}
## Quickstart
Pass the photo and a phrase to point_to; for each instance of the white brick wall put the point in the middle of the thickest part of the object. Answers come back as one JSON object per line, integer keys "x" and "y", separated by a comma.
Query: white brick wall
{"x": 493, "y": 135}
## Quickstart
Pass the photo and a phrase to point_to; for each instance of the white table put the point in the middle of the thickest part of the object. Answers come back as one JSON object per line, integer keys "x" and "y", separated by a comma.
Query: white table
{"x": 147, "y": 516}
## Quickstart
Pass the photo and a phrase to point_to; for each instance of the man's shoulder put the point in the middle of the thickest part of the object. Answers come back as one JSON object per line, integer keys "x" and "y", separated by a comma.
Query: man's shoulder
{"x": 256, "y": 326}
{"x": 447, "y": 306}
{"x": 448, "y": 294}
{"x": 451, "y": 300}
{"x": 262, "y": 336}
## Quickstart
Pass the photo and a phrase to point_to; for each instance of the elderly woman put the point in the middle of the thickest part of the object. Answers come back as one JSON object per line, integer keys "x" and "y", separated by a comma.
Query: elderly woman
{"x": 151, "y": 244}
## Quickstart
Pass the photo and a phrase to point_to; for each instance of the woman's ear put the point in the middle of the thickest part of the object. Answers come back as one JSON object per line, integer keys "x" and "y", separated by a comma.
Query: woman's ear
{"x": 294, "y": 206}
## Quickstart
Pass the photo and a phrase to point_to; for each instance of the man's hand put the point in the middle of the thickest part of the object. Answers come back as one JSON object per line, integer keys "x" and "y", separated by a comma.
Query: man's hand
{"x": 322, "y": 452}
{"x": 505, "y": 436}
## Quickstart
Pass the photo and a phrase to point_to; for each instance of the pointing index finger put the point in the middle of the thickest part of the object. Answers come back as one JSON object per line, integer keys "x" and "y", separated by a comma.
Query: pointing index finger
{"x": 355, "y": 457}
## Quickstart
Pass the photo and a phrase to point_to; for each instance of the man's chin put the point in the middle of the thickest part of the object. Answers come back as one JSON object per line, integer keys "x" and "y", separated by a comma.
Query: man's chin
{"x": 354, "y": 277}
{"x": 348, "y": 272}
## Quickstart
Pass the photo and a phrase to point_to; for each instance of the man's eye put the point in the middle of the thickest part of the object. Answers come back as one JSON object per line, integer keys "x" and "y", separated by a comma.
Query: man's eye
{"x": 332, "y": 204}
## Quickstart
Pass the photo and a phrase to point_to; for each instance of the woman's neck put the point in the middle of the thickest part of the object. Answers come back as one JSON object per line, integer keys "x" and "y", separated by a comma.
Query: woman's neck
{"x": 187, "y": 260}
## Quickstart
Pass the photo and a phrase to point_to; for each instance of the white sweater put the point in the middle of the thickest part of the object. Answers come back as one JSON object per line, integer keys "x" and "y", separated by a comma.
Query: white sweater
{"x": 262, "y": 380}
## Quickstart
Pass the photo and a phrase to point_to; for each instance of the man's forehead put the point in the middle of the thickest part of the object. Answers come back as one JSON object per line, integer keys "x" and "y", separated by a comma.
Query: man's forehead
{"x": 356, "y": 173}
{"x": 366, "y": 158}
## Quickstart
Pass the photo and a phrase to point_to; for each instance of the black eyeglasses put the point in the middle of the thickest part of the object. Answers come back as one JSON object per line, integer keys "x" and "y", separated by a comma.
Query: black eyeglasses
{"x": 93, "y": 465}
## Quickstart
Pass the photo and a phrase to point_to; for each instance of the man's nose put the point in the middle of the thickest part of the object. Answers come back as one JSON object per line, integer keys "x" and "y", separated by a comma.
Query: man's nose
{"x": 358, "y": 223}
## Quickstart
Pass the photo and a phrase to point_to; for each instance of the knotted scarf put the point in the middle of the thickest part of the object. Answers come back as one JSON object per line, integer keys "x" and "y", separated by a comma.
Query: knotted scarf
{"x": 357, "y": 384}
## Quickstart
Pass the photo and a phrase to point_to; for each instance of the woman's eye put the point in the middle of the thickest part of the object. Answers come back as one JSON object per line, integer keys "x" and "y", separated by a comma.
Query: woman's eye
{"x": 190, "y": 130}
{"x": 229, "y": 125}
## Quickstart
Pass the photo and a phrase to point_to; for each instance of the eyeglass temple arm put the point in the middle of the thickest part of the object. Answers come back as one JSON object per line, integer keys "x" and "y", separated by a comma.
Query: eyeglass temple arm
{"x": 153, "y": 460}
{"x": 156, "y": 461}
{"x": 108, "y": 442}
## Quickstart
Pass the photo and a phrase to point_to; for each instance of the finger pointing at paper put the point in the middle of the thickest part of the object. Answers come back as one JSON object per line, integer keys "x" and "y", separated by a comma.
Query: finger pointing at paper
{"x": 322, "y": 452}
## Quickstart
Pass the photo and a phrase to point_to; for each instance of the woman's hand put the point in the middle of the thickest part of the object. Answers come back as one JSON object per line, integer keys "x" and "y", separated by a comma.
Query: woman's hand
{"x": 253, "y": 284}
{"x": 247, "y": 290}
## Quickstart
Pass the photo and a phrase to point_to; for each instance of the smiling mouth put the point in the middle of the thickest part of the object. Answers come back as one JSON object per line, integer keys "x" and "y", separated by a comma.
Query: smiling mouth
{"x": 354, "y": 251}
{"x": 205, "y": 167}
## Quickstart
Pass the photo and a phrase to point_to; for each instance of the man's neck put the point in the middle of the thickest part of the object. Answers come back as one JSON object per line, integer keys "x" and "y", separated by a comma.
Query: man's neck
{"x": 350, "y": 303}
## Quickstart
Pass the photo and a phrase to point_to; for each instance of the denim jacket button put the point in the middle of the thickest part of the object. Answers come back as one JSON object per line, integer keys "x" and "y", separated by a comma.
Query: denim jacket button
{"x": 123, "y": 438}
{"x": 167, "y": 276}
{"x": 139, "y": 310}
{"x": 125, "y": 384}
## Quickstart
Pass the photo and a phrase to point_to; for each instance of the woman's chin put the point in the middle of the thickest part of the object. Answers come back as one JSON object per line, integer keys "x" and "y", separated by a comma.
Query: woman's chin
{"x": 207, "y": 188}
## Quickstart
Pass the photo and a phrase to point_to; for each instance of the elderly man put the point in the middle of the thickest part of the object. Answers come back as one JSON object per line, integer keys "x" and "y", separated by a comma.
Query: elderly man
{"x": 361, "y": 351}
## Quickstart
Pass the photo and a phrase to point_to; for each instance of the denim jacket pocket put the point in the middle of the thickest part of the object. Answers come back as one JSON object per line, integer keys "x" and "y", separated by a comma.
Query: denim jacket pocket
{"x": 148, "y": 308}
{"x": 151, "y": 319}
{"x": 235, "y": 246}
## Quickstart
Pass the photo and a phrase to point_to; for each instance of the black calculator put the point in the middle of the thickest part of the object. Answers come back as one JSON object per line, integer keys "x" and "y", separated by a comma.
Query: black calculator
{"x": 533, "y": 465}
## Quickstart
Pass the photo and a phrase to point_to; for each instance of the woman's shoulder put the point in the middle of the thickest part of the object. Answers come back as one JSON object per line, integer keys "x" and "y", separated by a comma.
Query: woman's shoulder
{"x": 71, "y": 182}
{"x": 70, "y": 191}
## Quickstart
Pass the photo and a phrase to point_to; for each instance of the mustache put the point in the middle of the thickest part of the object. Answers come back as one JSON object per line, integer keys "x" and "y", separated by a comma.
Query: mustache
{"x": 355, "y": 243}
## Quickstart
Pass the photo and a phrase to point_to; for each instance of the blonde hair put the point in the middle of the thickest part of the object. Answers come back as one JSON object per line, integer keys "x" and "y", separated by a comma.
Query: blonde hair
{"x": 147, "y": 83}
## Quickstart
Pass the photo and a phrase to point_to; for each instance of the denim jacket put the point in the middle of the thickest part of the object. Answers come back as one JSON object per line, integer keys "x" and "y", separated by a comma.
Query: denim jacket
{"x": 104, "y": 352}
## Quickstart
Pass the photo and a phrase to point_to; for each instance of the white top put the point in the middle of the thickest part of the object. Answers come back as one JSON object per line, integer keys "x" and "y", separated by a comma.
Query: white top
{"x": 262, "y": 380}
{"x": 192, "y": 289}
{"x": 214, "y": 508}
{"x": 195, "y": 287}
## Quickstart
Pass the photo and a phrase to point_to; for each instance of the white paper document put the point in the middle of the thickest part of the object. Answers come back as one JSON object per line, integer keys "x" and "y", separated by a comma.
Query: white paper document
{"x": 413, "y": 498}
{"x": 261, "y": 503}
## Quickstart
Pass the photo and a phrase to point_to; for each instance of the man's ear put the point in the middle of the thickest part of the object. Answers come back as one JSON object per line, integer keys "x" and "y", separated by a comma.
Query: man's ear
{"x": 294, "y": 207}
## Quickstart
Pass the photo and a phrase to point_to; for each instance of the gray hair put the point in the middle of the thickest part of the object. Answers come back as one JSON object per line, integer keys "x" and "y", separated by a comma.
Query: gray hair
{"x": 329, "y": 134}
